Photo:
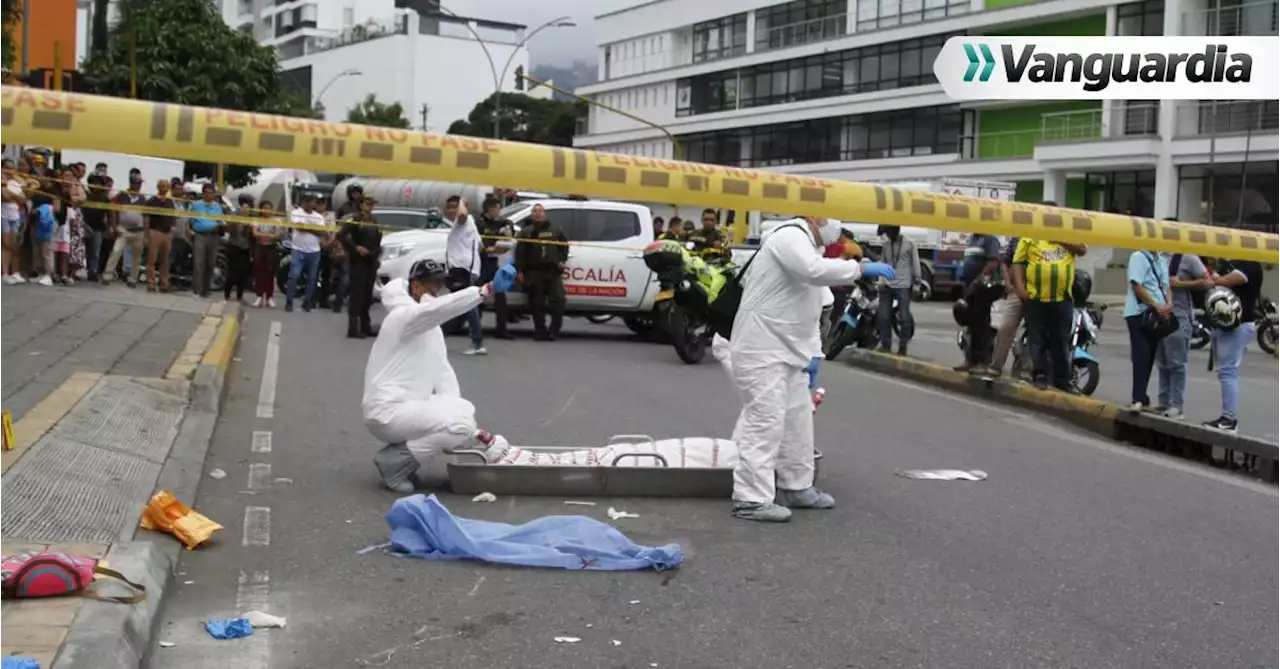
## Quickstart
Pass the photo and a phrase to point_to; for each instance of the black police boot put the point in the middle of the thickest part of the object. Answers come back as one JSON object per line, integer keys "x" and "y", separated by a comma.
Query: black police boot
{"x": 353, "y": 328}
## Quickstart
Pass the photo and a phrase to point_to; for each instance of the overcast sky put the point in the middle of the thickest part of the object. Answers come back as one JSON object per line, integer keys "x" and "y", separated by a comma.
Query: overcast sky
{"x": 553, "y": 46}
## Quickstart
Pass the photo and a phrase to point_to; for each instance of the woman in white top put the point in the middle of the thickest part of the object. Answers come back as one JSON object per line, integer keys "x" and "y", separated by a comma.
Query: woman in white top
{"x": 15, "y": 201}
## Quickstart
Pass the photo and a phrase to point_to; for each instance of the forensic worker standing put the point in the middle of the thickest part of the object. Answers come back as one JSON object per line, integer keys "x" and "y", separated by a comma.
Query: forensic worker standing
{"x": 774, "y": 339}
{"x": 412, "y": 401}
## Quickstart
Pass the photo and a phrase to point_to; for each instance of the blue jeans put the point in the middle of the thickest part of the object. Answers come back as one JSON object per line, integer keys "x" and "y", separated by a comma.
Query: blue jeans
{"x": 1171, "y": 363}
{"x": 473, "y": 319}
{"x": 1228, "y": 351}
{"x": 92, "y": 247}
{"x": 884, "y": 317}
{"x": 299, "y": 262}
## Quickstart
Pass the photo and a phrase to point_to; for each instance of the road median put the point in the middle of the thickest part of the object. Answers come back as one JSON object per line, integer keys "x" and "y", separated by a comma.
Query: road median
{"x": 1252, "y": 455}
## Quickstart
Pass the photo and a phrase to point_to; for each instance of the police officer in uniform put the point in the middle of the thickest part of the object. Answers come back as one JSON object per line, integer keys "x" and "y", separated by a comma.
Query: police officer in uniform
{"x": 495, "y": 235}
{"x": 539, "y": 265}
{"x": 363, "y": 243}
{"x": 708, "y": 236}
{"x": 674, "y": 233}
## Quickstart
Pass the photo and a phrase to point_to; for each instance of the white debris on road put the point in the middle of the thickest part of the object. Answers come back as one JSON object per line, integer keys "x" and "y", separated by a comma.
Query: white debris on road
{"x": 485, "y": 497}
{"x": 943, "y": 474}
{"x": 259, "y": 619}
{"x": 567, "y": 639}
{"x": 619, "y": 515}
{"x": 218, "y": 474}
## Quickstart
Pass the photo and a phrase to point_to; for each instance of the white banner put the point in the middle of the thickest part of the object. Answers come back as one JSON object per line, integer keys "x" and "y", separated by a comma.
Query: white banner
{"x": 1110, "y": 68}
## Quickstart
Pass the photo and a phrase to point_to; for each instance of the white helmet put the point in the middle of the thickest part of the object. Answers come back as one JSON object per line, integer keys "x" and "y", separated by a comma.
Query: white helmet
{"x": 1222, "y": 306}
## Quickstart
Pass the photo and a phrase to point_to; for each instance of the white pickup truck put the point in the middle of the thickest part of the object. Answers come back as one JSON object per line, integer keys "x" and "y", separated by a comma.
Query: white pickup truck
{"x": 605, "y": 276}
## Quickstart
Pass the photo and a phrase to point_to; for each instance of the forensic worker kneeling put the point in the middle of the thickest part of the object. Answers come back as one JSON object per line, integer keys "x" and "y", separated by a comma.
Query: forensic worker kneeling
{"x": 775, "y": 338}
{"x": 412, "y": 401}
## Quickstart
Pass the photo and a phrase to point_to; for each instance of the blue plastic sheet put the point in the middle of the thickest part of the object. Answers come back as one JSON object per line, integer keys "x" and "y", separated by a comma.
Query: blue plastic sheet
{"x": 16, "y": 662}
{"x": 233, "y": 628}
{"x": 422, "y": 527}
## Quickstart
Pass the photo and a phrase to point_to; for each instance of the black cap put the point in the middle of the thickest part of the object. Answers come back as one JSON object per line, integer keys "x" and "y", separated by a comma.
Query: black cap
{"x": 427, "y": 270}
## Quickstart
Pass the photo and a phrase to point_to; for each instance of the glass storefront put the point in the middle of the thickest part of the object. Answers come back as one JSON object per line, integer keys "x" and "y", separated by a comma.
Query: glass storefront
{"x": 1242, "y": 195}
{"x": 1130, "y": 192}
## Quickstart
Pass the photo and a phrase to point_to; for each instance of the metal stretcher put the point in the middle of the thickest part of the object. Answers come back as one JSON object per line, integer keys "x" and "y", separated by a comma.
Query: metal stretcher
{"x": 470, "y": 474}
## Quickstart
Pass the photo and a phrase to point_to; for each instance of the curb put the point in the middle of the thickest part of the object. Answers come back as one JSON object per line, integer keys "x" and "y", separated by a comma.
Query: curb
{"x": 106, "y": 635}
{"x": 1094, "y": 415}
{"x": 1102, "y": 418}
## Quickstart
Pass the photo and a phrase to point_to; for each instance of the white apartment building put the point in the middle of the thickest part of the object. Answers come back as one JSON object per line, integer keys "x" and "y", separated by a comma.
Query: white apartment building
{"x": 337, "y": 52}
{"x": 844, "y": 89}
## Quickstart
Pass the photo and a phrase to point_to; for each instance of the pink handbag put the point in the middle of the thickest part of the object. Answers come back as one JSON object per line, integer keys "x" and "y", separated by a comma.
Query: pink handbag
{"x": 53, "y": 574}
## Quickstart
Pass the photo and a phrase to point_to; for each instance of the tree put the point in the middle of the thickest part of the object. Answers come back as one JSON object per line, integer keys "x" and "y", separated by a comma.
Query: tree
{"x": 11, "y": 14}
{"x": 185, "y": 54}
{"x": 524, "y": 119}
{"x": 372, "y": 112}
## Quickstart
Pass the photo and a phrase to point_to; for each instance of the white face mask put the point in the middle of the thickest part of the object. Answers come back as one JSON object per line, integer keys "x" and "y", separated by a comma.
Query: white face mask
{"x": 830, "y": 234}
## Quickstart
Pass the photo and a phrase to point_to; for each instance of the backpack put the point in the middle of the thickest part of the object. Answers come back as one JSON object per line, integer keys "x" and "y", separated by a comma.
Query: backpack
{"x": 724, "y": 308}
{"x": 52, "y": 574}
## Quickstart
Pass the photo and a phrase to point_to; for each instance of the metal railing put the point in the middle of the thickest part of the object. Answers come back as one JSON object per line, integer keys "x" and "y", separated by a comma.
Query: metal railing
{"x": 1242, "y": 20}
{"x": 802, "y": 32}
{"x": 396, "y": 25}
{"x": 1123, "y": 119}
{"x": 1226, "y": 117}
{"x": 999, "y": 145}
{"x": 914, "y": 11}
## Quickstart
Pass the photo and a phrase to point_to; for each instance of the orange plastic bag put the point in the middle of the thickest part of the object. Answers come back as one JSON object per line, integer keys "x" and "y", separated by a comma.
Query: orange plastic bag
{"x": 166, "y": 513}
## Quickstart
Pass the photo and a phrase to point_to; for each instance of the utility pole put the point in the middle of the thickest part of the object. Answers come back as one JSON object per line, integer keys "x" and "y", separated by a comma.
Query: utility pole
{"x": 426, "y": 109}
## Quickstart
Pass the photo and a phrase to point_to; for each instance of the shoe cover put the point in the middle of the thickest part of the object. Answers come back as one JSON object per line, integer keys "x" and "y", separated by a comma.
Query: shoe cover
{"x": 809, "y": 498}
{"x": 764, "y": 513}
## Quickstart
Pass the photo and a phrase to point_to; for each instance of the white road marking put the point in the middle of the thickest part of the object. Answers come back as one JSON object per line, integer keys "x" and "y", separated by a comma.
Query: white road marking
{"x": 476, "y": 588}
{"x": 254, "y": 594}
{"x": 267, "y": 396}
{"x": 261, "y": 441}
{"x": 1037, "y": 423}
{"x": 257, "y": 526}
{"x": 259, "y": 476}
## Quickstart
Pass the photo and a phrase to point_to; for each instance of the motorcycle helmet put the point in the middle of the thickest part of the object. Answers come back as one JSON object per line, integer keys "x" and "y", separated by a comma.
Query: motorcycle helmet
{"x": 960, "y": 312}
{"x": 1081, "y": 287}
{"x": 1222, "y": 307}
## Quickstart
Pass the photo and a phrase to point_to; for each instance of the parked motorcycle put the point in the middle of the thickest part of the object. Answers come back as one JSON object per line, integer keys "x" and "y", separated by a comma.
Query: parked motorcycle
{"x": 1265, "y": 325}
{"x": 1200, "y": 332}
{"x": 1085, "y": 370}
{"x": 679, "y": 307}
{"x": 856, "y": 326}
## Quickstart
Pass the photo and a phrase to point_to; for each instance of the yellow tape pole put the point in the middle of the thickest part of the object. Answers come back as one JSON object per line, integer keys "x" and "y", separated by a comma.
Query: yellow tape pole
{"x": 68, "y": 120}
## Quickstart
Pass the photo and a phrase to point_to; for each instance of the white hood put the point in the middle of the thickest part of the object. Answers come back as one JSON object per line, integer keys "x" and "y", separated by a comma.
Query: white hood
{"x": 396, "y": 294}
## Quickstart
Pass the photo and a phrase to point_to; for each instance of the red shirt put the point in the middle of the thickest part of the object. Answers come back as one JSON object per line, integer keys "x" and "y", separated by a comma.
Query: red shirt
{"x": 833, "y": 250}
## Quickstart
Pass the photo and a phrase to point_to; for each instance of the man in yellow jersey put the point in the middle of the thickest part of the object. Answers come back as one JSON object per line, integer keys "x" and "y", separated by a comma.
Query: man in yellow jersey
{"x": 1044, "y": 272}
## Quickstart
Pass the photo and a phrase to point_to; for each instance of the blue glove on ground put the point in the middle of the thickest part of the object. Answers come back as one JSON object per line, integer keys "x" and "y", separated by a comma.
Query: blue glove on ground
{"x": 878, "y": 270}
{"x": 812, "y": 371}
{"x": 234, "y": 628}
{"x": 15, "y": 662}
{"x": 504, "y": 279}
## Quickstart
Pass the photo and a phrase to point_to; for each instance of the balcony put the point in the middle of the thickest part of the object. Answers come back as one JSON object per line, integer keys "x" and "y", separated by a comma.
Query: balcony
{"x": 1126, "y": 128}
{"x": 1248, "y": 19}
{"x": 396, "y": 25}
{"x": 1199, "y": 119}
{"x": 803, "y": 32}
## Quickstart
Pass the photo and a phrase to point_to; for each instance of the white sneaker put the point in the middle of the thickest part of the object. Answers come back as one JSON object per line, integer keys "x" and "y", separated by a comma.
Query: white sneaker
{"x": 257, "y": 301}
{"x": 8, "y": 280}
{"x": 476, "y": 350}
{"x": 271, "y": 303}
{"x": 1173, "y": 414}
{"x": 45, "y": 280}
{"x": 18, "y": 278}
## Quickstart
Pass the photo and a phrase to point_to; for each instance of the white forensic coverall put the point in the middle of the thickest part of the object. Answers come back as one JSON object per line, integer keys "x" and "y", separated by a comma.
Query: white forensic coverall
{"x": 411, "y": 394}
{"x": 775, "y": 335}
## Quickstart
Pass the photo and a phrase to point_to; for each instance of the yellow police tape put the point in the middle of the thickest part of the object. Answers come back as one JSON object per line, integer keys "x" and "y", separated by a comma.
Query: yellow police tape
{"x": 69, "y": 120}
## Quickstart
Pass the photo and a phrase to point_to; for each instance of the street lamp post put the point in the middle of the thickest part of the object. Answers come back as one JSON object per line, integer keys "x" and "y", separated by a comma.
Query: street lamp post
{"x": 562, "y": 22}
{"x": 353, "y": 72}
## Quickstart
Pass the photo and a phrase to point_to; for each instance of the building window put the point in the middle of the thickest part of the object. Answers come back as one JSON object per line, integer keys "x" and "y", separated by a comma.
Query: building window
{"x": 608, "y": 61}
{"x": 1237, "y": 195}
{"x": 800, "y": 22}
{"x": 720, "y": 38}
{"x": 899, "y": 133}
{"x": 1140, "y": 19}
{"x": 878, "y": 14}
{"x": 873, "y": 68}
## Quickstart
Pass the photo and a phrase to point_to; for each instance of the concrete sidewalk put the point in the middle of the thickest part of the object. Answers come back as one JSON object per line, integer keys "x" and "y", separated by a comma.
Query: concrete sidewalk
{"x": 89, "y": 454}
{"x": 51, "y": 333}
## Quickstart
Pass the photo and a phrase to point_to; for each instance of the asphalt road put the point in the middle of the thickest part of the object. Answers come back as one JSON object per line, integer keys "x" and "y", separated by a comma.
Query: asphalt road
{"x": 1074, "y": 553}
{"x": 935, "y": 340}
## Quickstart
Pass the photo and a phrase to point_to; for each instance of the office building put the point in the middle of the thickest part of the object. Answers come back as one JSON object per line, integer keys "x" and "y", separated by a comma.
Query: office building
{"x": 845, "y": 89}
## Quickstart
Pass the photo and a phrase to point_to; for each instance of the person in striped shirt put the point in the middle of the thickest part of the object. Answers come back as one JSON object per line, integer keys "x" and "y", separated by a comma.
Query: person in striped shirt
{"x": 1044, "y": 272}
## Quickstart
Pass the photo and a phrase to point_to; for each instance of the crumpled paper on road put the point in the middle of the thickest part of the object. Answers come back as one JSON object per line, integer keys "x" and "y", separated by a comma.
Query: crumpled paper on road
{"x": 165, "y": 513}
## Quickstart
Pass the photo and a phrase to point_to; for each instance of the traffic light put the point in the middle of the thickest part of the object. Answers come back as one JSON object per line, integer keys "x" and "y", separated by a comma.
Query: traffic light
{"x": 519, "y": 77}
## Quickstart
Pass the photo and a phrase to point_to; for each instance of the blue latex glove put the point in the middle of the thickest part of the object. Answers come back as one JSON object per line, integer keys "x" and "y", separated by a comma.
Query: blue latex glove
{"x": 812, "y": 371}
{"x": 877, "y": 270}
{"x": 504, "y": 279}
{"x": 228, "y": 629}
{"x": 15, "y": 662}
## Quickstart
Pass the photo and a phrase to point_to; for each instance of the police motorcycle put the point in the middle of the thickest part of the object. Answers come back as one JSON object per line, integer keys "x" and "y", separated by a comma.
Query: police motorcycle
{"x": 1267, "y": 324}
{"x": 688, "y": 279}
